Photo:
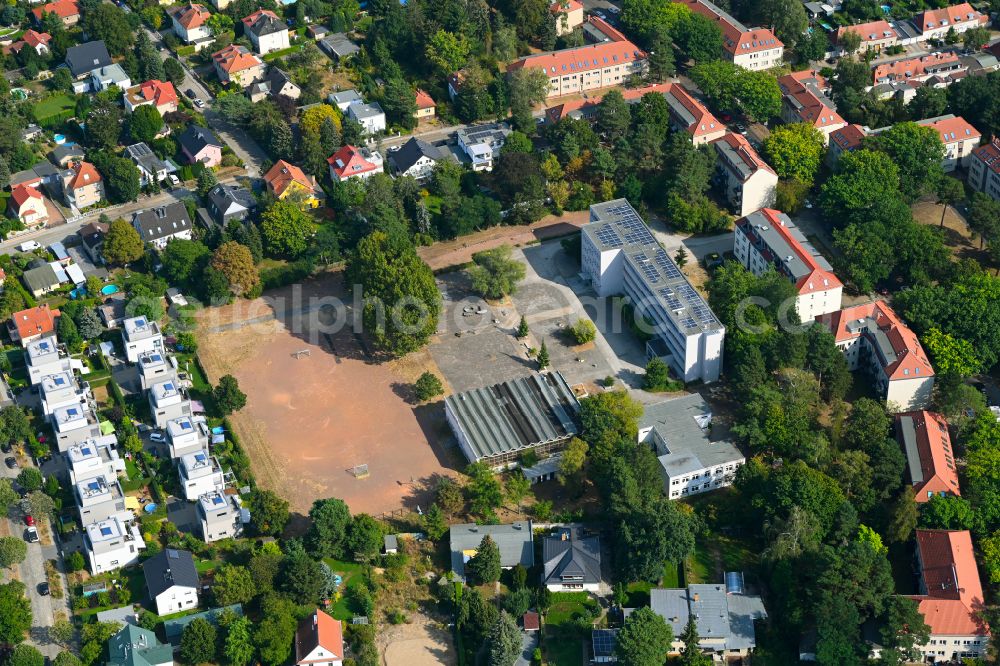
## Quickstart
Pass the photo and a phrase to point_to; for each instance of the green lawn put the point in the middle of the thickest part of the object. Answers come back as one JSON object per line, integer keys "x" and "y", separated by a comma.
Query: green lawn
{"x": 638, "y": 593}
{"x": 717, "y": 551}
{"x": 565, "y": 622}
{"x": 352, "y": 573}
{"x": 54, "y": 104}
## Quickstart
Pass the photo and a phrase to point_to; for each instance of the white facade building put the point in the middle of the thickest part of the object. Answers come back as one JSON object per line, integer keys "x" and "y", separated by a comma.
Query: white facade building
{"x": 620, "y": 256}
{"x": 482, "y": 144}
{"x": 113, "y": 543}
{"x": 93, "y": 458}
{"x": 220, "y": 516}
{"x": 60, "y": 390}
{"x": 43, "y": 358}
{"x": 749, "y": 183}
{"x": 167, "y": 402}
{"x": 99, "y": 498}
{"x": 768, "y": 239}
{"x": 140, "y": 336}
{"x": 74, "y": 424}
{"x": 370, "y": 116}
{"x": 186, "y": 435}
{"x": 154, "y": 367}
{"x": 200, "y": 473}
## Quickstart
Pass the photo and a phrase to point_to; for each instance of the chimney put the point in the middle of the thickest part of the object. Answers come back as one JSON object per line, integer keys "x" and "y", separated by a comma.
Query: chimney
{"x": 696, "y": 597}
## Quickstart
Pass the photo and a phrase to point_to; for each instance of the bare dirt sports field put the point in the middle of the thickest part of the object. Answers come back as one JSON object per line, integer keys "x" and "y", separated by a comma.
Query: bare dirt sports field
{"x": 418, "y": 643}
{"x": 309, "y": 420}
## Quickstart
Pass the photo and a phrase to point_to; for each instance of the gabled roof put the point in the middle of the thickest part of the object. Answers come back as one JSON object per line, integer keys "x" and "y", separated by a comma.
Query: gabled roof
{"x": 953, "y": 593}
{"x": 933, "y": 19}
{"x": 989, "y": 155}
{"x": 513, "y": 540}
{"x": 952, "y": 128}
{"x": 264, "y": 22}
{"x": 413, "y": 150}
{"x": 848, "y": 137}
{"x": 896, "y": 343}
{"x": 87, "y": 57}
{"x": 424, "y": 101}
{"x": 21, "y": 194}
{"x": 135, "y": 646}
{"x": 61, "y": 8}
{"x": 569, "y": 555}
{"x": 191, "y": 16}
{"x": 226, "y": 197}
{"x": 162, "y": 221}
{"x": 167, "y": 569}
{"x": 41, "y": 277}
{"x": 561, "y": 6}
{"x": 803, "y": 92}
{"x": 235, "y": 58}
{"x": 873, "y": 31}
{"x": 587, "y": 107}
{"x": 35, "y": 321}
{"x": 33, "y": 39}
{"x": 144, "y": 156}
{"x": 155, "y": 91}
{"x": 93, "y": 234}
{"x": 283, "y": 174}
{"x": 195, "y": 138}
{"x": 616, "y": 51}
{"x": 927, "y": 445}
{"x": 691, "y": 113}
{"x": 83, "y": 174}
{"x": 350, "y": 161}
{"x": 319, "y": 630}
{"x": 907, "y": 68}
{"x": 737, "y": 38}
{"x": 739, "y": 156}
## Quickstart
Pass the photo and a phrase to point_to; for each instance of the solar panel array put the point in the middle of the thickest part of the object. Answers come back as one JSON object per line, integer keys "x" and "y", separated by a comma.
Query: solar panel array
{"x": 609, "y": 237}
{"x": 669, "y": 297}
{"x": 604, "y": 641}
{"x": 667, "y": 265}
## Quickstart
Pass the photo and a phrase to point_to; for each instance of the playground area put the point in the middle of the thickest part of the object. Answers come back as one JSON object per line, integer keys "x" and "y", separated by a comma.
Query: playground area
{"x": 322, "y": 419}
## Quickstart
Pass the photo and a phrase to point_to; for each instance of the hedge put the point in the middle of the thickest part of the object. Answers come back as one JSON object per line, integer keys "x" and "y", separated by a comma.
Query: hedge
{"x": 281, "y": 276}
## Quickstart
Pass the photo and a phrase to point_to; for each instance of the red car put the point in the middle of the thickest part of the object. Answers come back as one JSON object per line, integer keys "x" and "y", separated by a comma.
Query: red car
{"x": 29, "y": 521}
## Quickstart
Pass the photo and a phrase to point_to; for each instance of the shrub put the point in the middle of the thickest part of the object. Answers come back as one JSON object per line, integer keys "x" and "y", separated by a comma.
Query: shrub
{"x": 428, "y": 386}
{"x": 583, "y": 331}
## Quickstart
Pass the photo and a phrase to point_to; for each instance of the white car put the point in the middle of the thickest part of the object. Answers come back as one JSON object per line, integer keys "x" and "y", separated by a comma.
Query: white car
{"x": 157, "y": 437}
{"x": 28, "y": 246}
{"x": 198, "y": 102}
{"x": 174, "y": 180}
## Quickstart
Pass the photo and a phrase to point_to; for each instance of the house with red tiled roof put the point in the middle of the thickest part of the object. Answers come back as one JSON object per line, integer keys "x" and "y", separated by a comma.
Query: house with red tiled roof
{"x": 68, "y": 11}
{"x": 568, "y": 15}
{"x": 586, "y": 108}
{"x": 236, "y": 64}
{"x": 929, "y": 457}
{"x": 935, "y": 23}
{"x": 190, "y": 23}
{"x": 984, "y": 169}
{"x": 804, "y": 100}
{"x": 576, "y": 70}
{"x": 875, "y": 35}
{"x": 844, "y": 140}
{"x": 285, "y": 179}
{"x": 959, "y": 137}
{"x": 28, "y": 205}
{"x": 39, "y": 41}
{"x": 354, "y": 162}
{"x": 319, "y": 641}
{"x": 426, "y": 106}
{"x": 920, "y": 68}
{"x": 951, "y": 596}
{"x": 160, "y": 94}
{"x": 750, "y": 48}
{"x": 82, "y": 185}
{"x": 749, "y": 182}
{"x": 31, "y": 324}
{"x": 873, "y": 337}
{"x": 768, "y": 239}
{"x": 689, "y": 115}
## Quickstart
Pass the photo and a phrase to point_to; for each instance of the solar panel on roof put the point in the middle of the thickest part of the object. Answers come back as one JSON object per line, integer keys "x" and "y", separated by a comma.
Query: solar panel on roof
{"x": 105, "y": 531}
{"x": 217, "y": 500}
{"x": 688, "y": 322}
{"x": 688, "y": 292}
{"x": 668, "y": 267}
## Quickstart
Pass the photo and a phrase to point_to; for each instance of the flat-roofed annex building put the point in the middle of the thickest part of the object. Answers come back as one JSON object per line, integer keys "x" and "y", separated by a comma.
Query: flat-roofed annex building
{"x": 497, "y": 424}
{"x": 619, "y": 255}
{"x": 768, "y": 239}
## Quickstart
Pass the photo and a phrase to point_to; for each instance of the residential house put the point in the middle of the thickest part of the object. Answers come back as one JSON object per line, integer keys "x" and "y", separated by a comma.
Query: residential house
{"x": 353, "y": 162}
{"x": 42, "y": 173}
{"x": 190, "y": 24}
{"x": 426, "y": 106}
{"x": 199, "y": 144}
{"x": 959, "y": 137}
{"x": 140, "y": 335}
{"x": 186, "y": 435}
{"x": 220, "y": 516}
{"x": 31, "y": 133}
{"x": 74, "y": 423}
{"x": 154, "y": 367}
{"x": 844, "y": 140}
{"x": 39, "y": 41}
{"x": 918, "y": 69}
{"x": 724, "y": 615}
{"x": 338, "y": 46}
{"x": 266, "y": 31}
{"x": 571, "y": 561}
{"x": 370, "y": 116}
{"x": 82, "y": 185}
{"x": 416, "y": 158}
{"x": 156, "y": 93}
{"x": 568, "y": 16}
{"x": 64, "y": 154}
{"x": 619, "y": 255}
{"x": 319, "y": 641}
{"x": 94, "y": 457}
{"x": 872, "y": 336}
{"x": 498, "y": 424}
{"x": 513, "y": 540}
{"x": 171, "y": 581}
{"x": 112, "y": 544}
{"x": 804, "y": 100}
{"x": 83, "y": 59}
{"x": 276, "y": 82}
{"x": 748, "y": 181}
{"x": 984, "y": 169}
{"x": 135, "y": 646}
{"x": 456, "y": 80}
{"x": 112, "y": 76}
{"x": 112, "y": 311}
{"x": 285, "y": 180}
{"x": 41, "y": 279}
{"x": 28, "y": 205}
{"x": 44, "y": 358}
{"x": 200, "y": 473}
{"x": 98, "y": 498}
{"x": 26, "y": 326}
{"x": 344, "y": 98}
{"x": 937, "y": 23}
{"x": 59, "y": 390}
{"x": 92, "y": 239}
{"x": 929, "y": 456}
{"x": 230, "y": 202}
{"x": 750, "y": 48}
{"x": 317, "y": 32}
{"x": 875, "y": 35}
{"x": 235, "y": 64}
{"x": 158, "y": 225}
{"x": 691, "y": 461}
{"x": 951, "y": 597}
{"x": 767, "y": 239}
{"x": 482, "y": 143}
{"x": 576, "y": 70}
{"x": 68, "y": 12}
{"x": 151, "y": 168}
{"x": 167, "y": 401}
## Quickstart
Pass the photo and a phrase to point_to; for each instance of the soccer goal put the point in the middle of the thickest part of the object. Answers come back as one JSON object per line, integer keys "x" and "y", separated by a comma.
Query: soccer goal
{"x": 302, "y": 352}
{"x": 360, "y": 471}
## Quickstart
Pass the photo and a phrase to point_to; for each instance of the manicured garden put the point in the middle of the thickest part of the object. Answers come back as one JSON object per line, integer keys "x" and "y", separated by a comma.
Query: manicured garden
{"x": 54, "y": 108}
{"x": 567, "y": 623}
{"x": 353, "y": 575}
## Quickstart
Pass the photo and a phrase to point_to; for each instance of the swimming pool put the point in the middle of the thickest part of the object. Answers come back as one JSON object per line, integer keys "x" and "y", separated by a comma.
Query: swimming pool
{"x": 60, "y": 139}
{"x": 109, "y": 289}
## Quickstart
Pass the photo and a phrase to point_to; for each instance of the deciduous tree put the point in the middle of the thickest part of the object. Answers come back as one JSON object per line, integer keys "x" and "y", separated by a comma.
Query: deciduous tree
{"x": 644, "y": 639}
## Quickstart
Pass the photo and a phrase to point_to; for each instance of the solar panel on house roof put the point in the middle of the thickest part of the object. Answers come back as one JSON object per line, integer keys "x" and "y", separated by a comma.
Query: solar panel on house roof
{"x": 217, "y": 500}
{"x": 668, "y": 267}
{"x": 86, "y": 450}
{"x": 200, "y": 457}
{"x": 72, "y": 411}
{"x": 59, "y": 381}
{"x": 105, "y": 531}
{"x": 688, "y": 322}
{"x": 185, "y": 425}
{"x": 604, "y": 642}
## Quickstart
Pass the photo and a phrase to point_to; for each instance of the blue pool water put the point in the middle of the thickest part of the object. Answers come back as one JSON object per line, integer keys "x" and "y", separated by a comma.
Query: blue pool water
{"x": 149, "y": 508}
{"x": 60, "y": 139}
{"x": 109, "y": 289}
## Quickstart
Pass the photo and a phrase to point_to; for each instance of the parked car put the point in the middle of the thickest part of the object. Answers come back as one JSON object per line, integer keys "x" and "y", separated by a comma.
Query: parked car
{"x": 198, "y": 102}
{"x": 6, "y": 447}
{"x": 43, "y": 589}
{"x": 157, "y": 437}
{"x": 28, "y": 246}
{"x": 29, "y": 520}
{"x": 191, "y": 93}
{"x": 11, "y": 462}
{"x": 31, "y": 535}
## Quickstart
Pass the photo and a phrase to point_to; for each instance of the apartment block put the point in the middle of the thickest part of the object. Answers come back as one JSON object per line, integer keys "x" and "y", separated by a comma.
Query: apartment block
{"x": 689, "y": 115}
{"x": 930, "y": 460}
{"x": 804, "y": 100}
{"x": 200, "y": 473}
{"x": 220, "y": 516}
{"x": 113, "y": 543}
{"x": 140, "y": 336}
{"x": 875, "y": 35}
{"x": 768, "y": 239}
{"x": 936, "y": 23}
{"x": 750, "y": 48}
{"x": 748, "y": 181}
{"x": 620, "y": 256}
{"x": 984, "y": 169}
{"x": 93, "y": 458}
{"x": 959, "y": 137}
